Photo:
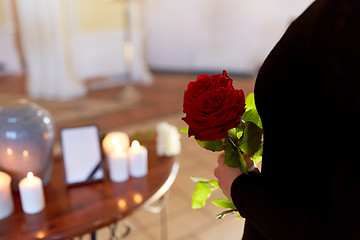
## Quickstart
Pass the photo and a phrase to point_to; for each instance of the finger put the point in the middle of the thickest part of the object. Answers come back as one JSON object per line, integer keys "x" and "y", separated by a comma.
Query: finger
{"x": 221, "y": 158}
{"x": 215, "y": 172}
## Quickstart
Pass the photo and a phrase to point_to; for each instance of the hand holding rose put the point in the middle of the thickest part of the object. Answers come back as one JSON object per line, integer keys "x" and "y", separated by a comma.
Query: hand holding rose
{"x": 226, "y": 175}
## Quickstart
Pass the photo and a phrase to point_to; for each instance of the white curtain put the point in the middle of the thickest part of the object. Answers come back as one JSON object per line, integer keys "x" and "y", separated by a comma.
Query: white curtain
{"x": 9, "y": 56}
{"x": 59, "y": 59}
{"x": 45, "y": 42}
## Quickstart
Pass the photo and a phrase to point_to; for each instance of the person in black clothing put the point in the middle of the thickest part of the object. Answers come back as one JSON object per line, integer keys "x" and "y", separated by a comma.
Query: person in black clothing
{"x": 308, "y": 96}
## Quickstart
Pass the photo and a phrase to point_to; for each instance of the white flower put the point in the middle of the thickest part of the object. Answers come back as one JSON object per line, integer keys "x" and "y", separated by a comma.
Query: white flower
{"x": 168, "y": 140}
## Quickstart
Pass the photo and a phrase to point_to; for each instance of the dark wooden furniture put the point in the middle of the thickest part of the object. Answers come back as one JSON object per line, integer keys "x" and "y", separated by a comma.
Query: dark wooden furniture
{"x": 77, "y": 210}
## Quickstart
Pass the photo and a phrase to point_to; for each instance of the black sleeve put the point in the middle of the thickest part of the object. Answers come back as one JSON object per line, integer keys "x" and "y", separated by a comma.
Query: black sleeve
{"x": 273, "y": 219}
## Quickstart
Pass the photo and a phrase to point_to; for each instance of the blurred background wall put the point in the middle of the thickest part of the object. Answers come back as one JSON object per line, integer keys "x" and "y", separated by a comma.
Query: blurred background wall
{"x": 125, "y": 39}
{"x": 188, "y": 35}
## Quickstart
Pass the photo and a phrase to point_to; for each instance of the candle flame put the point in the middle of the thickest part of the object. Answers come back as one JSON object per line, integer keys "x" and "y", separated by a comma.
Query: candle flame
{"x": 30, "y": 175}
{"x": 135, "y": 144}
{"x": 118, "y": 148}
{"x": 115, "y": 140}
{"x": 9, "y": 151}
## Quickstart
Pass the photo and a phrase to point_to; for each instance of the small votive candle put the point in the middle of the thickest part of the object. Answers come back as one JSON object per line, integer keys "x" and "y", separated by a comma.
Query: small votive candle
{"x": 6, "y": 200}
{"x": 118, "y": 166}
{"x": 113, "y": 139}
{"x": 138, "y": 160}
{"x": 32, "y": 194}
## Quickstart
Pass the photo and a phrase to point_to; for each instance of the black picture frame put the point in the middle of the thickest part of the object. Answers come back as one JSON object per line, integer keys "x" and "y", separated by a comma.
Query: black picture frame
{"x": 82, "y": 157}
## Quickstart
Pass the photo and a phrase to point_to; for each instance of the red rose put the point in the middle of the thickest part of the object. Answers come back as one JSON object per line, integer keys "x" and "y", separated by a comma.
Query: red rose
{"x": 212, "y": 107}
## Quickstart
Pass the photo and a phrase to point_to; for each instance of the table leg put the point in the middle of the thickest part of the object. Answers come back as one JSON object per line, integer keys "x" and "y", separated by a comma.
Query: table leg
{"x": 93, "y": 236}
{"x": 160, "y": 208}
{"x": 113, "y": 227}
{"x": 164, "y": 224}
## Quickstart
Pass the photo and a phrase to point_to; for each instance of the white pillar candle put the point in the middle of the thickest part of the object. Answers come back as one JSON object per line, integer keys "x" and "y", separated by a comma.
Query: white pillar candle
{"x": 113, "y": 139}
{"x": 118, "y": 164}
{"x": 6, "y": 200}
{"x": 138, "y": 160}
{"x": 31, "y": 194}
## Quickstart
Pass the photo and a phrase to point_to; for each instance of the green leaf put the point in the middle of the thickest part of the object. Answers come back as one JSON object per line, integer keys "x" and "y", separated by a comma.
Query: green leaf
{"x": 201, "y": 194}
{"x": 252, "y": 116}
{"x": 231, "y": 155}
{"x": 243, "y": 166}
{"x": 240, "y": 129}
{"x": 239, "y": 217}
{"x": 144, "y": 135}
{"x": 250, "y": 102}
{"x": 232, "y": 133}
{"x": 224, "y": 213}
{"x": 257, "y": 157}
{"x": 198, "y": 179}
{"x": 215, "y": 146}
{"x": 212, "y": 183}
{"x": 184, "y": 130}
{"x": 239, "y": 133}
{"x": 251, "y": 140}
{"x": 224, "y": 203}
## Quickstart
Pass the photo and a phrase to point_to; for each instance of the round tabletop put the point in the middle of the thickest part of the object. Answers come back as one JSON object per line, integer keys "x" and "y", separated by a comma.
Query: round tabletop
{"x": 77, "y": 210}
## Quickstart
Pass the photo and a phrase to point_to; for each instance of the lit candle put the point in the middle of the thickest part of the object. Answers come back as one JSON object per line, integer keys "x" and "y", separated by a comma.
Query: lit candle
{"x": 31, "y": 194}
{"x": 138, "y": 160}
{"x": 118, "y": 167}
{"x": 113, "y": 139}
{"x": 6, "y": 201}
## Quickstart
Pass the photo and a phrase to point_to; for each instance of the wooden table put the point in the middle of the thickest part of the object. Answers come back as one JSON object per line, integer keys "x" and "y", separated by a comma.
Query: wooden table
{"x": 77, "y": 210}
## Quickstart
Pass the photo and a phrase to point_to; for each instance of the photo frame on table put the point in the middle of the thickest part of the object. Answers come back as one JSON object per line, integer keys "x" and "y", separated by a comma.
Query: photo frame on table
{"x": 81, "y": 154}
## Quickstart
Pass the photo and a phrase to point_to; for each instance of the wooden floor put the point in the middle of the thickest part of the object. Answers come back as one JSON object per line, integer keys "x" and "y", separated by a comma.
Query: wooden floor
{"x": 163, "y": 102}
{"x": 161, "y": 98}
